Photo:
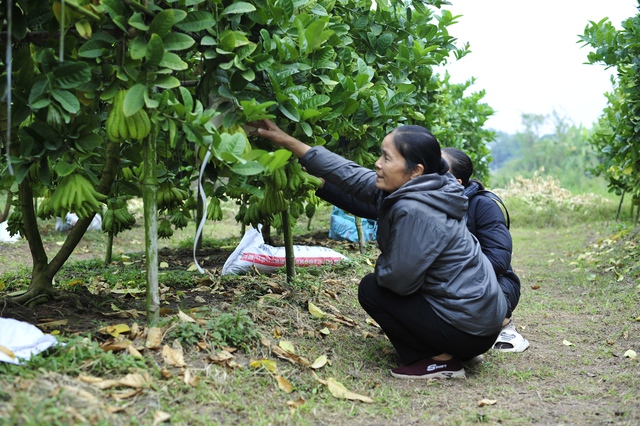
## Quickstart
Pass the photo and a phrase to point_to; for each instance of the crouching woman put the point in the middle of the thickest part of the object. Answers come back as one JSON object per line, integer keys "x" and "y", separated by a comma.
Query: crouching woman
{"x": 433, "y": 292}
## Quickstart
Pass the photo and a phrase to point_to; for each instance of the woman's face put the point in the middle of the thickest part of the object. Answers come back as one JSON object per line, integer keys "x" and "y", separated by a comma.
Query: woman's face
{"x": 390, "y": 167}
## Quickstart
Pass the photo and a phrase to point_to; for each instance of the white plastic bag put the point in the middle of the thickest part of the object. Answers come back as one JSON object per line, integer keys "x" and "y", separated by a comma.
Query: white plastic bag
{"x": 20, "y": 340}
{"x": 252, "y": 251}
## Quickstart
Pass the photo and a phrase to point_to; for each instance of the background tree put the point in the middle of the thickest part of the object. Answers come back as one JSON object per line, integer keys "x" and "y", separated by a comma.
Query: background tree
{"x": 616, "y": 138}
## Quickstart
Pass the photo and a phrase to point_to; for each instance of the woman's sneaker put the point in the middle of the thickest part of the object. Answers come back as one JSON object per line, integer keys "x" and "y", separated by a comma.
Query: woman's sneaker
{"x": 510, "y": 340}
{"x": 430, "y": 369}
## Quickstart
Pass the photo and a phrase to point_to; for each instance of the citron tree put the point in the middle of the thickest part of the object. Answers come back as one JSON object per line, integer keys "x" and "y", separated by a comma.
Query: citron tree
{"x": 616, "y": 135}
{"x": 135, "y": 96}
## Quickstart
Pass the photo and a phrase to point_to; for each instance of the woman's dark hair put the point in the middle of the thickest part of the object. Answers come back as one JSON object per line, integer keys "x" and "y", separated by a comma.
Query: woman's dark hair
{"x": 460, "y": 166}
{"x": 418, "y": 146}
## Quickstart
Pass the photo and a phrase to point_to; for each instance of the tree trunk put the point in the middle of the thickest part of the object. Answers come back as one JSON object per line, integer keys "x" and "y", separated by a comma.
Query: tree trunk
{"x": 108, "y": 256}
{"x": 620, "y": 206}
{"x": 41, "y": 285}
{"x": 361, "y": 241}
{"x": 150, "y": 205}
{"x": 290, "y": 257}
{"x": 7, "y": 207}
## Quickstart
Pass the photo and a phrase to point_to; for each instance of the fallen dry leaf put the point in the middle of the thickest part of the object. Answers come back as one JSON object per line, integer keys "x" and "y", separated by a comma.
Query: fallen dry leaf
{"x": 372, "y": 322}
{"x": 190, "y": 379}
{"x": 268, "y": 364}
{"x": 136, "y": 380}
{"x": 293, "y": 405}
{"x": 185, "y": 318}
{"x": 315, "y": 311}
{"x": 345, "y": 320}
{"x": 265, "y": 341}
{"x": 134, "y": 352}
{"x": 52, "y": 324}
{"x": 154, "y": 338}
{"x": 338, "y": 390}
{"x": 484, "y": 402}
{"x": 284, "y": 384}
{"x": 7, "y": 352}
{"x": 116, "y": 330}
{"x": 126, "y": 394}
{"x": 293, "y": 358}
{"x": 221, "y": 356}
{"x": 135, "y": 330}
{"x": 319, "y": 362}
{"x": 160, "y": 417}
{"x": 173, "y": 357}
{"x": 111, "y": 345}
{"x": 287, "y": 346}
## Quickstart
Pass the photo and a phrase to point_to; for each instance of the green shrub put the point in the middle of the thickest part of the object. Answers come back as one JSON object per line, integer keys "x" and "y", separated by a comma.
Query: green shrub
{"x": 233, "y": 330}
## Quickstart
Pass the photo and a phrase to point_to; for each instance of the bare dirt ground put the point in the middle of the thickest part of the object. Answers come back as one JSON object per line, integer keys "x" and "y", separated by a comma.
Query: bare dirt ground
{"x": 579, "y": 310}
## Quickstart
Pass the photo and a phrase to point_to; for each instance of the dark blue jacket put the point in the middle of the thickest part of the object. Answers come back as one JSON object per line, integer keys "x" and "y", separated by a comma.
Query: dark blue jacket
{"x": 485, "y": 220}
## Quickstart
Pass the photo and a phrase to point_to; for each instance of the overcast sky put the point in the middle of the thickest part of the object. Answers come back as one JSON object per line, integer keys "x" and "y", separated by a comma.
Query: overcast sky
{"x": 527, "y": 57}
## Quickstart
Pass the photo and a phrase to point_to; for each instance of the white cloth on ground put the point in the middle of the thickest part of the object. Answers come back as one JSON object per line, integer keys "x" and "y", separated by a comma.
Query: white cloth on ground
{"x": 22, "y": 340}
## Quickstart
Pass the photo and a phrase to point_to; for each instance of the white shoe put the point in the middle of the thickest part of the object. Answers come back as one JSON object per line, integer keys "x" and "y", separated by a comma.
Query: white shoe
{"x": 510, "y": 340}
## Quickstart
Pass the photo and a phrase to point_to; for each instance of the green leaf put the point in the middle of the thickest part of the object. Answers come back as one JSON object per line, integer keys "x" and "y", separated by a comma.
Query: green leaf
{"x": 314, "y": 102}
{"x": 232, "y": 143}
{"x": 155, "y": 51}
{"x": 162, "y": 23}
{"x": 250, "y": 168}
{"x": 65, "y": 169}
{"x": 166, "y": 82}
{"x": 70, "y": 75}
{"x": 187, "y": 99}
{"x": 208, "y": 41}
{"x": 149, "y": 102}
{"x": 93, "y": 48}
{"x": 178, "y": 15}
{"x": 306, "y": 128}
{"x": 289, "y": 111}
{"x": 287, "y": 6}
{"x": 138, "y": 48}
{"x": 137, "y": 21}
{"x": 134, "y": 99}
{"x": 113, "y": 7}
{"x": 315, "y": 35}
{"x": 278, "y": 159}
{"x": 88, "y": 142}
{"x": 383, "y": 42}
{"x": 239, "y": 7}
{"x": 198, "y": 20}
{"x": 67, "y": 100}
{"x": 249, "y": 75}
{"x": 230, "y": 40}
{"x": 121, "y": 22}
{"x": 177, "y": 41}
{"x": 173, "y": 62}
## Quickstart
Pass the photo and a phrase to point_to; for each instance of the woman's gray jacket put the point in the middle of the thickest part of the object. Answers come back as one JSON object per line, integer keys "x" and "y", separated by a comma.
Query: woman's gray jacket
{"x": 424, "y": 242}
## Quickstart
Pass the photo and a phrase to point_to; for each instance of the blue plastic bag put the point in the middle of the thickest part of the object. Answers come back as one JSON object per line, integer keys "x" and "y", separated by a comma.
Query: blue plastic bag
{"x": 343, "y": 227}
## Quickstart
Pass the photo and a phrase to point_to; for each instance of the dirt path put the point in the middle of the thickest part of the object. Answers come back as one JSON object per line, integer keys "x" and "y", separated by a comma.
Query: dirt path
{"x": 579, "y": 323}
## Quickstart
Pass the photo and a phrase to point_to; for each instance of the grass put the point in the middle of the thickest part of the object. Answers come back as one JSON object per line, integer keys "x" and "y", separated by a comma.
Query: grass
{"x": 572, "y": 291}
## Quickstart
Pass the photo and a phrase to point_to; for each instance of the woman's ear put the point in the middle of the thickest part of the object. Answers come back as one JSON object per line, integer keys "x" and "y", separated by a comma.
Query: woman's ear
{"x": 417, "y": 171}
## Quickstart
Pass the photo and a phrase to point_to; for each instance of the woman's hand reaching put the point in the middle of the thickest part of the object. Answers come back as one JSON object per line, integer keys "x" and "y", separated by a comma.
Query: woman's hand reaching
{"x": 268, "y": 129}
